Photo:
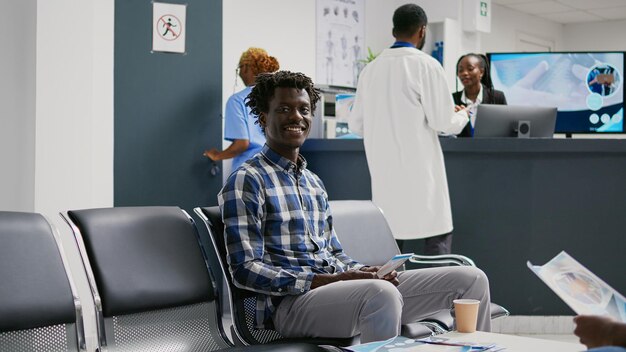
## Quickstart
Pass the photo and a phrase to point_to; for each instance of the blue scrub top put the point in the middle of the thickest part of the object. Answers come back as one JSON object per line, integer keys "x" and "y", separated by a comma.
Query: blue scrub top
{"x": 239, "y": 124}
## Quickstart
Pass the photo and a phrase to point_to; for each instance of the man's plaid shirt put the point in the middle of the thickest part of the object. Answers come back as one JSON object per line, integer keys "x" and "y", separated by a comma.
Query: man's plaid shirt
{"x": 278, "y": 230}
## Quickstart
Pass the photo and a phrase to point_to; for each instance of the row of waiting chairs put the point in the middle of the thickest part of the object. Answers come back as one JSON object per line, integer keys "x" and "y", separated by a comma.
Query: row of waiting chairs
{"x": 151, "y": 282}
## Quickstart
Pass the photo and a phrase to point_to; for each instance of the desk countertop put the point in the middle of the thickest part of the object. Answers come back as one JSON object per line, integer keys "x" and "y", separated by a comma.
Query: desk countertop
{"x": 490, "y": 145}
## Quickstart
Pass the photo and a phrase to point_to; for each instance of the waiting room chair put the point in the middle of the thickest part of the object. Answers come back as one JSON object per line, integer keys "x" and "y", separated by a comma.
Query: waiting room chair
{"x": 243, "y": 302}
{"x": 39, "y": 307}
{"x": 366, "y": 236}
{"x": 151, "y": 282}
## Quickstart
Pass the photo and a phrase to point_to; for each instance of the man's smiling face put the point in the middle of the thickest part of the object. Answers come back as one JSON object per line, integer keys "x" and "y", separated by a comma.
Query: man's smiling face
{"x": 288, "y": 121}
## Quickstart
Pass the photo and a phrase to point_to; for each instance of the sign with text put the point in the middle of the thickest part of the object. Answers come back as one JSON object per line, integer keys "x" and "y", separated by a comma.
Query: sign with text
{"x": 168, "y": 27}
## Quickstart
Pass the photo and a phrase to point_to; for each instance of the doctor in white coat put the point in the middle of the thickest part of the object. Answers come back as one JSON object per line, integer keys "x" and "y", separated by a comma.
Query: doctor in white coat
{"x": 402, "y": 102}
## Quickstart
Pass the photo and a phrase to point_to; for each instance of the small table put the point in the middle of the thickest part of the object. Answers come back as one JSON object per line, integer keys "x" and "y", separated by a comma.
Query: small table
{"x": 514, "y": 343}
{"x": 510, "y": 343}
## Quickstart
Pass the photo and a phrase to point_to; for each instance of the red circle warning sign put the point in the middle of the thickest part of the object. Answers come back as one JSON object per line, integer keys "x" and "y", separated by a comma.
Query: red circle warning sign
{"x": 169, "y": 27}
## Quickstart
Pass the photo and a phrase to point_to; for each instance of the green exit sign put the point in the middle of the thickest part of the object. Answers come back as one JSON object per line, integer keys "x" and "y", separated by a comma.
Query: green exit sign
{"x": 483, "y": 8}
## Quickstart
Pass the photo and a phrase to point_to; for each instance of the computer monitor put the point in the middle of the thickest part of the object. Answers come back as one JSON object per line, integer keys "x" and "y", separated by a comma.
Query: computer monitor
{"x": 586, "y": 87}
{"x": 514, "y": 121}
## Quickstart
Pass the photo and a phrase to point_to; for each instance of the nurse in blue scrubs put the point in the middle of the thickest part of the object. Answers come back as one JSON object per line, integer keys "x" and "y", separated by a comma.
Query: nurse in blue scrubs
{"x": 239, "y": 125}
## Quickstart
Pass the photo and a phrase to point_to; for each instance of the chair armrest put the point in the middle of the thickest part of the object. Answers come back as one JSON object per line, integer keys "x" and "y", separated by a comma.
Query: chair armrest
{"x": 455, "y": 259}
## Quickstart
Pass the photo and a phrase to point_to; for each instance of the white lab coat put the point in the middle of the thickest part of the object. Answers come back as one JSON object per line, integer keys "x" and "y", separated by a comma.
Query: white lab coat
{"x": 402, "y": 101}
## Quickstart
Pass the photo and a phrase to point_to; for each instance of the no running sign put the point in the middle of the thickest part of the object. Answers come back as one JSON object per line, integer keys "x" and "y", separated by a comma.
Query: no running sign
{"x": 168, "y": 27}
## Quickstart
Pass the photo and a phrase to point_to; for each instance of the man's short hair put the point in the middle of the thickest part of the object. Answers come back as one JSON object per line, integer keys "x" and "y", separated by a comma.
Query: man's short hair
{"x": 266, "y": 83}
{"x": 408, "y": 19}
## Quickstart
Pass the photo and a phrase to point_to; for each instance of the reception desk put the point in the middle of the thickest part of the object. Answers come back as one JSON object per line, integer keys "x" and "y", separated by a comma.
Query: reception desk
{"x": 515, "y": 200}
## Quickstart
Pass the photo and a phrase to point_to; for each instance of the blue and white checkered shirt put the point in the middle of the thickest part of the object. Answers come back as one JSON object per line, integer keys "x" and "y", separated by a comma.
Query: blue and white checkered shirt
{"x": 279, "y": 230}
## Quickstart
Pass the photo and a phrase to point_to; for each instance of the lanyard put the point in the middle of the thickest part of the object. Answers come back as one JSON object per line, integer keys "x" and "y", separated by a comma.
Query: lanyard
{"x": 402, "y": 45}
{"x": 471, "y": 111}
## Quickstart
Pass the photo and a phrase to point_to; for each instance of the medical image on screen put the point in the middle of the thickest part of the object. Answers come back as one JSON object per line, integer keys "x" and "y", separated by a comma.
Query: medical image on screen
{"x": 587, "y": 88}
{"x": 603, "y": 80}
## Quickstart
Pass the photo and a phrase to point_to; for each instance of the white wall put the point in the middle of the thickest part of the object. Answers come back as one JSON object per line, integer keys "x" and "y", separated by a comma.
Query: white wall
{"x": 74, "y": 118}
{"x": 378, "y": 24}
{"x": 74, "y": 127}
{"x": 56, "y": 104}
{"x": 595, "y": 36}
{"x": 507, "y": 25}
{"x": 379, "y": 13}
{"x": 285, "y": 28}
{"x": 56, "y": 109}
{"x": 17, "y": 104}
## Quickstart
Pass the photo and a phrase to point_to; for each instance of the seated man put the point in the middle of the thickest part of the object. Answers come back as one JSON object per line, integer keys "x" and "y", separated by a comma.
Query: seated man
{"x": 281, "y": 242}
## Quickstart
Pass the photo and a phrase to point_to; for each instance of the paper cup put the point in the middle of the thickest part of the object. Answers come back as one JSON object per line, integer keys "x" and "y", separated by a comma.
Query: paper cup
{"x": 466, "y": 314}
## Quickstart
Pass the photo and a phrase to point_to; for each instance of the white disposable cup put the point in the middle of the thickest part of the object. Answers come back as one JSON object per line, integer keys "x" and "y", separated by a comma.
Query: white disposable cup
{"x": 466, "y": 314}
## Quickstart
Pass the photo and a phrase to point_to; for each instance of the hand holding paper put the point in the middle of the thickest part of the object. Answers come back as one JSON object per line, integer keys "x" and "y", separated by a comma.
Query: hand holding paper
{"x": 393, "y": 264}
{"x": 581, "y": 289}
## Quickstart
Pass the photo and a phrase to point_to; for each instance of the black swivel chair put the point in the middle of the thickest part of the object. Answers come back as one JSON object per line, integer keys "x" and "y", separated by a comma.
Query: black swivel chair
{"x": 361, "y": 226}
{"x": 243, "y": 302}
{"x": 39, "y": 307}
{"x": 150, "y": 280}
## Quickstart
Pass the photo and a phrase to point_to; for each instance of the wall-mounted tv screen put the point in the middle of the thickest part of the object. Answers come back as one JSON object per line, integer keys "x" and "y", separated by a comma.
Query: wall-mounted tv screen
{"x": 586, "y": 87}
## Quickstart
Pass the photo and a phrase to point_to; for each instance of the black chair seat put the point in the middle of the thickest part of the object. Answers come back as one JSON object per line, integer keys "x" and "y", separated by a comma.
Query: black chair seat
{"x": 415, "y": 331}
{"x": 441, "y": 318}
{"x": 39, "y": 307}
{"x": 498, "y": 311}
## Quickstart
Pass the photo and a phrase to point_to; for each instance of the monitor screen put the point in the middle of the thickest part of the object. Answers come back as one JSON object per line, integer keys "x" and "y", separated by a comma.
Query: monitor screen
{"x": 505, "y": 120}
{"x": 586, "y": 87}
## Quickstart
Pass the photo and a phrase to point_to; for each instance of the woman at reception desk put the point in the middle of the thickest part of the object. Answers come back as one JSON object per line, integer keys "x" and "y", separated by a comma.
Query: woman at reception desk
{"x": 473, "y": 71}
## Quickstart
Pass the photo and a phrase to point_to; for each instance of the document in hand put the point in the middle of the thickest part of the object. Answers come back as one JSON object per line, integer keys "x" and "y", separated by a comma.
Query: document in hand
{"x": 393, "y": 264}
{"x": 579, "y": 288}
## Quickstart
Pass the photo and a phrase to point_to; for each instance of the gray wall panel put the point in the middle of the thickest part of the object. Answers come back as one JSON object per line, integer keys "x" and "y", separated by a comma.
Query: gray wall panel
{"x": 167, "y": 108}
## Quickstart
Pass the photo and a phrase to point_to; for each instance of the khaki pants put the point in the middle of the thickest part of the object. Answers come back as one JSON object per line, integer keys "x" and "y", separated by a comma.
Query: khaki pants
{"x": 376, "y": 308}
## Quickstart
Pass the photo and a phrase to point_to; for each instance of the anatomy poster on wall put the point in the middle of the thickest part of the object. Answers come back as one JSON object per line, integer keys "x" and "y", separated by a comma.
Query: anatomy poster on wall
{"x": 340, "y": 41}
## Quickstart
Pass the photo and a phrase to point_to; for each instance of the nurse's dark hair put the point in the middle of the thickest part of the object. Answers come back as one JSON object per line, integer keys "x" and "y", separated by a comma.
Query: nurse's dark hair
{"x": 484, "y": 64}
{"x": 266, "y": 83}
{"x": 408, "y": 19}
